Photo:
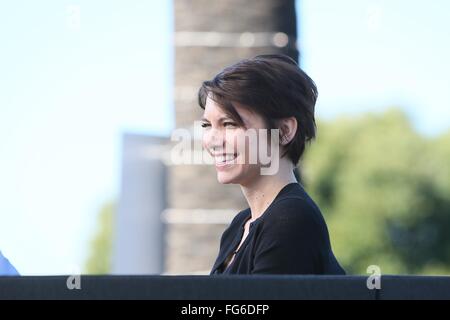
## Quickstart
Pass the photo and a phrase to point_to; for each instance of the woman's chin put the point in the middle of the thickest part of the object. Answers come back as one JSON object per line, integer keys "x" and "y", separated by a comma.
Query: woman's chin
{"x": 227, "y": 177}
{"x": 224, "y": 178}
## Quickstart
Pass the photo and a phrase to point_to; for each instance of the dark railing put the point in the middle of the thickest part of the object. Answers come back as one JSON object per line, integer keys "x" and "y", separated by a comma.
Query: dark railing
{"x": 223, "y": 287}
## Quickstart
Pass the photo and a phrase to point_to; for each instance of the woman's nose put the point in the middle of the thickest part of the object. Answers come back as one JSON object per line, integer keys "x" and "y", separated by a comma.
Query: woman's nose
{"x": 213, "y": 139}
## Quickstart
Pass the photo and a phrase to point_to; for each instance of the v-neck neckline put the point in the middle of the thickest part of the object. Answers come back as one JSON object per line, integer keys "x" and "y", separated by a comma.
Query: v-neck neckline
{"x": 237, "y": 240}
{"x": 283, "y": 190}
{"x": 231, "y": 255}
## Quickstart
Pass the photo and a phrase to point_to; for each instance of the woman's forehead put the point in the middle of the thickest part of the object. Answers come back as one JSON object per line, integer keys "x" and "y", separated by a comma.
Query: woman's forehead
{"x": 214, "y": 111}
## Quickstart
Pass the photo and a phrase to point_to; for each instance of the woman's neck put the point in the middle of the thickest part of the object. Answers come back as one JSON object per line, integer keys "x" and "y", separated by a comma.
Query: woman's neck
{"x": 261, "y": 192}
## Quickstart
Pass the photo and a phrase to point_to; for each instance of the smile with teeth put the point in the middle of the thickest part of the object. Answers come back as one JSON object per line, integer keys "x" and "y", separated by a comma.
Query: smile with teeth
{"x": 224, "y": 159}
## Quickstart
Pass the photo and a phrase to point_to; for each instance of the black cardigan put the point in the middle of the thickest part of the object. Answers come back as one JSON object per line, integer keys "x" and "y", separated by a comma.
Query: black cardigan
{"x": 290, "y": 237}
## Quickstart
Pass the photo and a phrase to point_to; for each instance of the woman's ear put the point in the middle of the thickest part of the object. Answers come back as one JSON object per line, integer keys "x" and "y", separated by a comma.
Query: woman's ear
{"x": 288, "y": 128}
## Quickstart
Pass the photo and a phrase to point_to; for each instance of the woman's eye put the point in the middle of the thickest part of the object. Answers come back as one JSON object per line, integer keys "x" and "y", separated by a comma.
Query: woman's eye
{"x": 204, "y": 125}
{"x": 229, "y": 124}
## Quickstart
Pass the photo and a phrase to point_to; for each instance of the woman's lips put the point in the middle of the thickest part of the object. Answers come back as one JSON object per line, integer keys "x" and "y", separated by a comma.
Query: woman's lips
{"x": 224, "y": 161}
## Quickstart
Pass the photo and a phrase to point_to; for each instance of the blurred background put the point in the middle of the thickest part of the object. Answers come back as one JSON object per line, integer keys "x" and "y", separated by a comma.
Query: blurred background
{"x": 90, "y": 92}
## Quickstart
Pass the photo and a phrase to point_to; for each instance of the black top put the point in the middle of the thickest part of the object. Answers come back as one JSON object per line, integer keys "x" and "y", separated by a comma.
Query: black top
{"x": 290, "y": 237}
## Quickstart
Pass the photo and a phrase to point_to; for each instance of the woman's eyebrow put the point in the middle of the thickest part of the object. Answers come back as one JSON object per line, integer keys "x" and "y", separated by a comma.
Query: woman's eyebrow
{"x": 219, "y": 120}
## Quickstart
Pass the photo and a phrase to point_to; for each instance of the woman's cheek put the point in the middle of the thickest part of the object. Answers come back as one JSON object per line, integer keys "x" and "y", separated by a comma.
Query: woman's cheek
{"x": 230, "y": 137}
{"x": 206, "y": 141}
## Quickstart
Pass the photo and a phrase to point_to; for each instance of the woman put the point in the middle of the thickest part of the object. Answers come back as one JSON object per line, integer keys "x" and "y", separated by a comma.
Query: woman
{"x": 282, "y": 231}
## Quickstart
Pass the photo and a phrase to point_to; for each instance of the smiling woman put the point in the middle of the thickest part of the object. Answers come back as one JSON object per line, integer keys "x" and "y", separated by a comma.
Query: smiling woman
{"x": 282, "y": 232}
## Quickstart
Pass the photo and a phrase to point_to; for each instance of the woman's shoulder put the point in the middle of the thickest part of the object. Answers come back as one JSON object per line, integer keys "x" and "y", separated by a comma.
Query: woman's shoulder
{"x": 293, "y": 223}
{"x": 294, "y": 212}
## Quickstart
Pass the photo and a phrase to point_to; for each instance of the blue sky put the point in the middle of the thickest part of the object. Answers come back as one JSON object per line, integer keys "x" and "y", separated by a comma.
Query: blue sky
{"x": 368, "y": 55}
{"x": 67, "y": 95}
{"x": 70, "y": 87}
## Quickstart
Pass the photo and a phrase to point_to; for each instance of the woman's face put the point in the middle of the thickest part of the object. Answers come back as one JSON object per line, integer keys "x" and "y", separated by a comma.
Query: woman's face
{"x": 220, "y": 138}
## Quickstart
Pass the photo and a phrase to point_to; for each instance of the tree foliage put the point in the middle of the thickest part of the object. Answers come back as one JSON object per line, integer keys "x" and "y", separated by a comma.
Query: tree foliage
{"x": 99, "y": 260}
{"x": 385, "y": 192}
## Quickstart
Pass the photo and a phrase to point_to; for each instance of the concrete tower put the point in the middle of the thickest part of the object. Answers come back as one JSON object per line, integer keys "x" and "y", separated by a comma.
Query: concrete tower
{"x": 209, "y": 35}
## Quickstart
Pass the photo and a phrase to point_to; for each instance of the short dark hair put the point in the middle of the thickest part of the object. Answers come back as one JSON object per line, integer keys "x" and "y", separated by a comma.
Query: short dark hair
{"x": 272, "y": 86}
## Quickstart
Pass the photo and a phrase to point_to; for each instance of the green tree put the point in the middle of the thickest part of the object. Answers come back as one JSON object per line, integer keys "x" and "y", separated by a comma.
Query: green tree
{"x": 99, "y": 260}
{"x": 384, "y": 190}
